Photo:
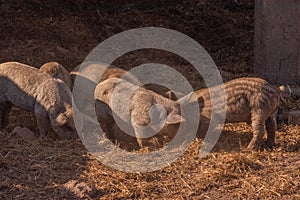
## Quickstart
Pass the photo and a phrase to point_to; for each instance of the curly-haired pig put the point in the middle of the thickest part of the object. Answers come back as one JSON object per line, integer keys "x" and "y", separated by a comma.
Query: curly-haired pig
{"x": 48, "y": 98}
{"x": 116, "y": 72}
{"x": 141, "y": 105}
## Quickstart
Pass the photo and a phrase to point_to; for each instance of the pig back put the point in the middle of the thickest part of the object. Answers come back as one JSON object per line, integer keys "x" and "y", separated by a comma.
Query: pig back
{"x": 19, "y": 84}
{"x": 243, "y": 96}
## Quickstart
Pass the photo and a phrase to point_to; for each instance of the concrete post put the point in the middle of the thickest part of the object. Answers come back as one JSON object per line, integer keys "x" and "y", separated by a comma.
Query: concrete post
{"x": 277, "y": 40}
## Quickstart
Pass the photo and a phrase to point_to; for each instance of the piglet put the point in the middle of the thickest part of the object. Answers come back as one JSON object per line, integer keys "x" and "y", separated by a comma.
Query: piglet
{"x": 251, "y": 100}
{"x": 50, "y": 99}
{"x": 141, "y": 112}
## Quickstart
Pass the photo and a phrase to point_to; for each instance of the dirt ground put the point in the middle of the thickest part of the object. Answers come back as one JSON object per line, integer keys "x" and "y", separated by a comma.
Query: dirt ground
{"x": 34, "y": 32}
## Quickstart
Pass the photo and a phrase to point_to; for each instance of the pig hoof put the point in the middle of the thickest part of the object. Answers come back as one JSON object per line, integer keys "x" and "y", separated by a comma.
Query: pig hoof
{"x": 270, "y": 143}
{"x": 141, "y": 144}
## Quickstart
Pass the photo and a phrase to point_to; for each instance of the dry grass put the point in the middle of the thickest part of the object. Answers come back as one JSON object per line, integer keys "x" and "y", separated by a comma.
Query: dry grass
{"x": 57, "y": 169}
{"x": 35, "y": 33}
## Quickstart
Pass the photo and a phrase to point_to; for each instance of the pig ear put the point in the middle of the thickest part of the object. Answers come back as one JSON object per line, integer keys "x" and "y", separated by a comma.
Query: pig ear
{"x": 73, "y": 75}
{"x": 54, "y": 71}
{"x": 174, "y": 119}
{"x": 61, "y": 119}
{"x": 171, "y": 95}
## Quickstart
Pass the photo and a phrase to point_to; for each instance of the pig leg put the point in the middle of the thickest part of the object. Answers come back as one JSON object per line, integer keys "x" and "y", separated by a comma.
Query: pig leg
{"x": 271, "y": 126}
{"x": 106, "y": 120}
{"x": 43, "y": 122}
{"x": 5, "y": 110}
{"x": 111, "y": 129}
{"x": 138, "y": 133}
{"x": 140, "y": 119}
{"x": 258, "y": 125}
{"x": 141, "y": 134}
{"x": 203, "y": 127}
{"x": 144, "y": 134}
